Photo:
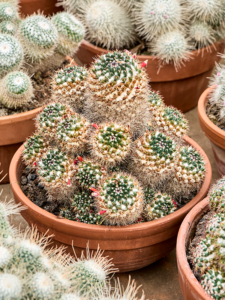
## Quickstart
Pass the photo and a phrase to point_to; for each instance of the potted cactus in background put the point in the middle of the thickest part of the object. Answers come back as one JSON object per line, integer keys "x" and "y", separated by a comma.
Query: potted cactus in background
{"x": 120, "y": 162}
{"x": 178, "y": 40}
{"x": 31, "y": 49}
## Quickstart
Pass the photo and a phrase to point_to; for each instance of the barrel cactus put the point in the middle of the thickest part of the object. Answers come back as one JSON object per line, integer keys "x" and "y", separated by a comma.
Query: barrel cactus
{"x": 16, "y": 90}
{"x": 8, "y": 27}
{"x": 39, "y": 37}
{"x": 11, "y": 54}
{"x": 71, "y": 32}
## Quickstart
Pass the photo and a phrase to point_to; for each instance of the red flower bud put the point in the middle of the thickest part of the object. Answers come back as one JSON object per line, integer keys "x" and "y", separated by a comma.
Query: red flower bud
{"x": 174, "y": 203}
{"x": 80, "y": 158}
{"x": 93, "y": 189}
{"x": 144, "y": 64}
{"x": 137, "y": 87}
{"x": 102, "y": 212}
{"x": 35, "y": 164}
{"x": 77, "y": 219}
{"x": 68, "y": 181}
{"x": 75, "y": 161}
{"x": 95, "y": 126}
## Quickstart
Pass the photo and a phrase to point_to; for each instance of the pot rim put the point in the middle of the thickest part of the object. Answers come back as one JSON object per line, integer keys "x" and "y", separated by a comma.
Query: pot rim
{"x": 208, "y": 124}
{"x": 69, "y": 225}
{"x": 182, "y": 261}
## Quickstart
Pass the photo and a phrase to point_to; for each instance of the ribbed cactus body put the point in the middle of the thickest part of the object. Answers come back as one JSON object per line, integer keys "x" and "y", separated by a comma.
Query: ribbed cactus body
{"x": 16, "y": 89}
{"x": 39, "y": 37}
{"x": 8, "y": 27}
{"x": 71, "y": 32}
{"x": 11, "y": 54}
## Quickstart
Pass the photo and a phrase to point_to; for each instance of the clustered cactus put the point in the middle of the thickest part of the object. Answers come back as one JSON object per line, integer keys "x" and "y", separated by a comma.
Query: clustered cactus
{"x": 106, "y": 172}
{"x": 33, "y": 43}
{"x": 30, "y": 270}
{"x": 169, "y": 29}
{"x": 207, "y": 254}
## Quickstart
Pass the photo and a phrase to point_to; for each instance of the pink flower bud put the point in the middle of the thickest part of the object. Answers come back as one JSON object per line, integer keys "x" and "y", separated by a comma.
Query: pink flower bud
{"x": 95, "y": 126}
{"x": 102, "y": 212}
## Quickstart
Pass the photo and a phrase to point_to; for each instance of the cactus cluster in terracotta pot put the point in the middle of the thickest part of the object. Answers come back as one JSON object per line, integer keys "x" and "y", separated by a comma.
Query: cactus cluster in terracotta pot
{"x": 122, "y": 159}
{"x": 32, "y": 44}
{"x": 168, "y": 29}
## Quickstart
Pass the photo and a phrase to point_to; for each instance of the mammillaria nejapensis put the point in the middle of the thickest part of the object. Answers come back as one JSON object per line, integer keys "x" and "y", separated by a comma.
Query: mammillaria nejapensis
{"x": 121, "y": 198}
{"x": 71, "y": 32}
{"x": 11, "y": 54}
{"x": 118, "y": 91}
{"x": 16, "y": 90}
{"x": 70, "y": 85}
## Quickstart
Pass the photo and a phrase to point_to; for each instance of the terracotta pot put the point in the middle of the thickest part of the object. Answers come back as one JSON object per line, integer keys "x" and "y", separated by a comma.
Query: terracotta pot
{"x": 131, "y": 247}
{"x": 181, "y": 89}
{"x": 13, "y": 132}
{"x": 213, "y": 132}
{"x": 190, "y": 287}
{"x": 48, "y": 7}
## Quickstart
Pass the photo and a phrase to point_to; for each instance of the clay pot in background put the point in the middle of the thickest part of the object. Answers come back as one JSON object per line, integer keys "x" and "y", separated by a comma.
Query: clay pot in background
{"x": 213, "y": 132}
{"x": 48, "y": 7}
{"x": 131, "y": 247}
{"x": 181, "y": 89}
{"x": 190, "y": 287}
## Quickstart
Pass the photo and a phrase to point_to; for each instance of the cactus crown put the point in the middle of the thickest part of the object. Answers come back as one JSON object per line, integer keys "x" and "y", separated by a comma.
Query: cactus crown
{"x": 155, "y": 100}
{"x": 8, "y": 27}
{"x": 18, "y": 83}
{"x": 10, "y": 286}
{"x": 8, "y": 12}
{"x": 161, "y": 146}
{"x": 41, "y": 286}
{"x": 34, "y": 147}
{"x": 11, "y": 54}
{"x": 82, "y": 201}
{"x": 149, "y": 195}
{"x": 202, "y": 33}
{"x": 70, "y": 75}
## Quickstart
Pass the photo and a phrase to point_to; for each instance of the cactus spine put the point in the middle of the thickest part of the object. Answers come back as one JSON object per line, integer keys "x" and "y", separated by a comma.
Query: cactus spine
{"x": 8, "y": 27}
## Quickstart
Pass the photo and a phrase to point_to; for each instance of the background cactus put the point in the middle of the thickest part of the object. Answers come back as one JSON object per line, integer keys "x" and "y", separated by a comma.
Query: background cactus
{"x": 11, "y": 54}
{"x": 8, "y": 12}
{"x": 202, "y": 34}
{"x": 16, "y": 90}
{"x": 71, "y": 32}
{"x": 8, "y": 27}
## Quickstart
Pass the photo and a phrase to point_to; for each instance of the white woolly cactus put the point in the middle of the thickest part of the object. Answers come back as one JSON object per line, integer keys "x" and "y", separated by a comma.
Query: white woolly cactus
{"x": 153, "y": 158}
{"x": 70, "y": 85}
{"x": 119, "y": 85}
{"x": 56, "y": 172}
{"x": 171, "y": 121}
{"x": 71, "y": 32}
{"x": 8, "y": 27}
{"x": 202, "y": 34}
{"x": 110, "y": 144}
{"x": 10, "y": 287}
{"x": 155, "y": 101}
{"x": 11, "y": 54}
{"x": 38, "y": 36}
{"x": 160, "y": 206}
{"x": 41, "y": 287}
{"x": 154, "y": 18}
{"x": 16, "y": 90}
{"x": 173, "y": 47}
{"x": 34, "y": 146}
{"x": 121, "y": 198}
{"x": 72, "y": 133}
{"x": 8, "y": 12}
{"x": 107, "y": 24}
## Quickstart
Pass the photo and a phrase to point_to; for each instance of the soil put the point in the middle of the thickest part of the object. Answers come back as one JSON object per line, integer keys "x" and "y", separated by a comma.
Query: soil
{"x": 213, "y": 113}
{"x": 41, "y": 82}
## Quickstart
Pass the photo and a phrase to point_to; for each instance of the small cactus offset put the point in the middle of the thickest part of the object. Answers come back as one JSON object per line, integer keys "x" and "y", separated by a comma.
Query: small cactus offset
{"x": 202, "y": 34}
{"x": 110, "y": 144}
{"x": 153, "y": 158}
{"x": 34, "y": 146}
{"x": 16, "y": 90}
{"x": 8, "y": 27}
{"x": 71, "y": 32}
{"x": 8, "y": 12}
{"x": 107, "y": 24}
{"x": 160, "y": 206}
{"x": 118, "y": 83}
{"x": 11, "y": 54}
{"x": 70, "y": 84}
{"x": 39, "y": 37}
{"x": 56, "y": 172}
{"x": 120, "y": 198}
{"x": 72, "y": 134}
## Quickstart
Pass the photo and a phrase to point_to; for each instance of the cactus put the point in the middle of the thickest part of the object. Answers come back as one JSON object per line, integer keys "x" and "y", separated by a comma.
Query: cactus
{"x": 70, "y": 85}
{"x": 160, "y": 206}
{"x": 8, "y": 27}
{"x": 171, "y": 121}
{"x": 71, "y": 297}
{"x": 5, "y": 256}
{"x": 110, "y": 144}
{"x": 82, "y": 202}
{"x": 72, "y": 134}
{"x": 16, "y": 90}
{"x": 120, "y": 198}
{"x": 202, "y": 34}
{"x": 217, "y": 196}
{"x": 38, "y": 36}
{"x": 11, "y": 54}
{"x": 10, "y": 287}
{"x": 88, "y": 217}
{"x": 8, "y": 12}
{"x": 88, "y": 173}
{"x": 213, "y": 283}
{"x": 56, "y": 172}
{"x": 154, "y": 18}
{"x": 172, "y": 47}
{"x": 34, "y": 146}
{"x": 71, "y": 33}
{"x": 153, "y": 158}
{"x": 155, "y": 101}
{"x": 107, "y": 24}
{"x": 119, "y": 86}
{"x": 41, "y": 287}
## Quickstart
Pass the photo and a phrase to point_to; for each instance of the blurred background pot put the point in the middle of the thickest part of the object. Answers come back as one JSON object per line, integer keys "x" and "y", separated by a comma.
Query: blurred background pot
{"x": 48, "y": 7}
